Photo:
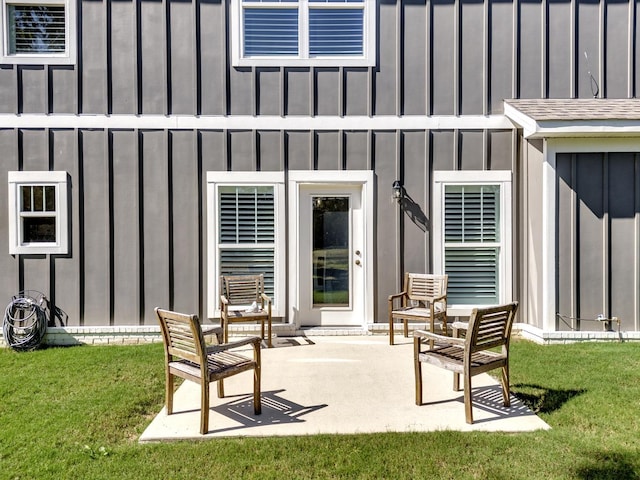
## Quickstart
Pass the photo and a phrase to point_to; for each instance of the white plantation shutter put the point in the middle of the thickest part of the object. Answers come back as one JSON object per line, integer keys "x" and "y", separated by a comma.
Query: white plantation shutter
{"x": 472, "y": 243}
{"x": 247, "y": 231}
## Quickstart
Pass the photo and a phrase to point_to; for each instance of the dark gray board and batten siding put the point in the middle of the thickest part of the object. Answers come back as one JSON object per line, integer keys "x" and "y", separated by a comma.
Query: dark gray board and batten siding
{"x": 137, "y": 195}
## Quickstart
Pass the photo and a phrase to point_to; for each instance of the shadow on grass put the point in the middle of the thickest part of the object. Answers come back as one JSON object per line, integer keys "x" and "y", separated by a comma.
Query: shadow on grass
{"x": 543, "y": 400}
{"x": 608, "y": 465}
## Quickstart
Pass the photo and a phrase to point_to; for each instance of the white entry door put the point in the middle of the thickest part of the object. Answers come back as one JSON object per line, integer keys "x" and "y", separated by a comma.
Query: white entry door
{"x": 331, "y": 266}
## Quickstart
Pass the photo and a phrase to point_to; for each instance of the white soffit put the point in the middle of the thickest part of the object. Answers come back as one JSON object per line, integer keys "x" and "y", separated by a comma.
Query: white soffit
{"x": 577, "y": 117}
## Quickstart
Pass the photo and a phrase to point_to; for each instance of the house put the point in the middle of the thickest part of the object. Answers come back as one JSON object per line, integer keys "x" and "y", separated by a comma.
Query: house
{"x": 149, "y": 146}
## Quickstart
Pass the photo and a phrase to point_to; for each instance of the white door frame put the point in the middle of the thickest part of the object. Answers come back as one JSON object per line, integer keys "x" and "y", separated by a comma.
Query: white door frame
{"x": 337, "y": 178}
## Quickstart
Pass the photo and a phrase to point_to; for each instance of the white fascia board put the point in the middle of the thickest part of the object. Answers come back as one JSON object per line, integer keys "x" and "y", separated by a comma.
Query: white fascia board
{"x": 587, "y": 128}
{"x": 262, "y": 122}
{"x": 528, "y": 124}
{"x": 571, "y": 128}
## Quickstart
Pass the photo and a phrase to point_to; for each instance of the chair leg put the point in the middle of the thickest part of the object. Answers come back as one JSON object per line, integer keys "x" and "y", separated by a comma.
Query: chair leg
{"x": 456, "y": 382}
{"x": 204, "y": 407}
{"x": 225, "y": 329}
{"x": 221, "y": 388}
{"x": 505, "y": 386}
{"x": 269, "y": 343}
{"x": 257, "y": 402}
{"x": 262, "y": 329}
{"x": 417, "y": 367}
{"x": 467, "y": 399}
{"x": 169, "y": 392}
{"x": 406, "y": 328}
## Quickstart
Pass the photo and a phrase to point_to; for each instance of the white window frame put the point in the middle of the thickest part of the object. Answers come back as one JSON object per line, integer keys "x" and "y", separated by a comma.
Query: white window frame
{"x": 64, "y": 58}
{"x": 368, "y": 57}
{"x": 57, "y": 179}
{"x": 215, "y": 180}
{"x": 500, "y": 178}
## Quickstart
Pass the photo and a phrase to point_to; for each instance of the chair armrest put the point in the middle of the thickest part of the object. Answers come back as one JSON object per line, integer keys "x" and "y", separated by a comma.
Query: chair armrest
{"x": 457, "y": 327}
{"x": 224, "y": 304}
{"x": 397, "y": 295}
{"x": 208, "y": 330}
{"x": 266, "y": 298}
{"x": 441, "y": 298}
{"x": 211, "y": 329}
{"x": 423, "y": 334}
{"x": 235, "y": 344}
{"x": 460, "y": 325}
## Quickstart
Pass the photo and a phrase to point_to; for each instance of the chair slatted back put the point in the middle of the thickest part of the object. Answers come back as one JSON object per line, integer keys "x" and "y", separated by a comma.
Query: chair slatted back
{"x": 490, "y": 327}
{"x": 242, "y": 289}
{"x": 424, "y": 286}
{"x": 182, "y": 336}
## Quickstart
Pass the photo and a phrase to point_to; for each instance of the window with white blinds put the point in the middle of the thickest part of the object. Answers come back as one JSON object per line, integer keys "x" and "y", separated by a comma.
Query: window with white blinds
{"x": 472, "y": 243}
{"x": 303, "y": 32}
{"x": 38, "y": 31}
{"x": 472, "y": 221}
{"x": 247, "y": 231}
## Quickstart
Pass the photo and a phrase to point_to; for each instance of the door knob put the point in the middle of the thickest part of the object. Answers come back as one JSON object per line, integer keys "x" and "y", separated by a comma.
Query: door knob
{"x": 357, "y": 262}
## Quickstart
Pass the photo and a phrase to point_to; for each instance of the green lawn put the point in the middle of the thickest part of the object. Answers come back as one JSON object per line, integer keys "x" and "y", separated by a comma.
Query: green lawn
{"x": 77, "y": 413}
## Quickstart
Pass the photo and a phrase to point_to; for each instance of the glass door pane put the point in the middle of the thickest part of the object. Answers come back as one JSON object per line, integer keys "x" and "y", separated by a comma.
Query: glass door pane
{"x": 330, "y": 256}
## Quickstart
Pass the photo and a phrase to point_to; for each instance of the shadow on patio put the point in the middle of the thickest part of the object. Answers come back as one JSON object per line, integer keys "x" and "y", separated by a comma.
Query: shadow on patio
{"x": 340, "y": 385}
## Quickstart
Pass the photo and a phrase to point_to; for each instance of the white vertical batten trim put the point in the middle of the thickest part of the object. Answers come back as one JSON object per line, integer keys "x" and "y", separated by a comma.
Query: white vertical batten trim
{"x": 630, "y": 50}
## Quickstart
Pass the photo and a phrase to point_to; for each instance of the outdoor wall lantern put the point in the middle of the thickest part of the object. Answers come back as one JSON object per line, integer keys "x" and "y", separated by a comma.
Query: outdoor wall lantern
{"x": 397, "y": 190}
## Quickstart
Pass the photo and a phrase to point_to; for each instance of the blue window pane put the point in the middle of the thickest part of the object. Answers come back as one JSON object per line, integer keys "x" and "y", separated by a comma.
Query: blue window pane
{"x": 336, "y": 31}
{"x": 270, "y": 31}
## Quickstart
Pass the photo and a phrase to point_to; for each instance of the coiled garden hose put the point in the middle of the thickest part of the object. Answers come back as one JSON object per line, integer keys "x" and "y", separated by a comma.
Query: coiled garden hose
{"x": 25, "y": 321}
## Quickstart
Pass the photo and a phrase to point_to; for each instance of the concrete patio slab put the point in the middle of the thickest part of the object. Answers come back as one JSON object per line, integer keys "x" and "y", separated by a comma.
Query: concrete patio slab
{"x": 340, "y": 385}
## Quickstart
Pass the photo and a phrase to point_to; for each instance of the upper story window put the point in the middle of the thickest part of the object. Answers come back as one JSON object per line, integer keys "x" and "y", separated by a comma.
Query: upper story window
{"x": 303, "y": 32}
{"x": 38, "y": 32}
{"x": 38, "y": 215}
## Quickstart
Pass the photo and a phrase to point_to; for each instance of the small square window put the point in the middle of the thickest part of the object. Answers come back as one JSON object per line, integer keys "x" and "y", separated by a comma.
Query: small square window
{"x": 38, "y": 32}
{"x": 38, "y": 213}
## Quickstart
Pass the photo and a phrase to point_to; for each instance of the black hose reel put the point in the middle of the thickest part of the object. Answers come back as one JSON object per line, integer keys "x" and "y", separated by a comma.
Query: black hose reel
{"x": 25, "y": 320}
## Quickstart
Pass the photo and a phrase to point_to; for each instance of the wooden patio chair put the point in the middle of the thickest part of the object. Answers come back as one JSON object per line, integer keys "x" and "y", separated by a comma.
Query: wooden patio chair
{"x": 242, "y": 299}
{"x": 424, "y": 299}
{"x": 187, "y": 356}
{"x": 484, "y": 348}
